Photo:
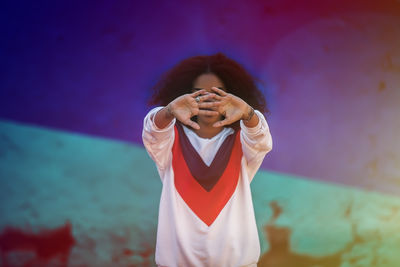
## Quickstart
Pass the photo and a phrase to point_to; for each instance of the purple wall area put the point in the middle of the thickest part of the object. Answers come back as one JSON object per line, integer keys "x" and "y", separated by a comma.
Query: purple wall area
{"x": 331, "y": 70}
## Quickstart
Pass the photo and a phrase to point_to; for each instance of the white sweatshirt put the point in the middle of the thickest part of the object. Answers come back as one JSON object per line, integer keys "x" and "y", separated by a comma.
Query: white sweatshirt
{"x": 184, "y": 239}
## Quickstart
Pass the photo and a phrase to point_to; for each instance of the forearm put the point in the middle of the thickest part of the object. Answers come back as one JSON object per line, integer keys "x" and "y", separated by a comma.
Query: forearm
{"x": 163, "y": 117}
{"x": 249, "y": 118}
{"x": 257, "y": 138}
{"x": 256, "y": 143}
{"x": 158, "y": 142}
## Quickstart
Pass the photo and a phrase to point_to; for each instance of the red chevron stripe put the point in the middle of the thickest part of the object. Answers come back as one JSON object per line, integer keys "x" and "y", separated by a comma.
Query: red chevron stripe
{"x": 206, "y": 205}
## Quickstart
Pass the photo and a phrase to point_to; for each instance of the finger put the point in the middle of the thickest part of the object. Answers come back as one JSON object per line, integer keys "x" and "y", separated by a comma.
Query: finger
{"x": 207, "y": 96}
{"x": 200, "y": 97}
{"x": 222, "y": 123}
{"x": 219, "y": 91}
{"x": 209, "y": 104}
{"x": 197, "y": 93}
{"x": 191, "y": 124}
{"x": 208, "y": 112}
{"x": 217, "y": 97}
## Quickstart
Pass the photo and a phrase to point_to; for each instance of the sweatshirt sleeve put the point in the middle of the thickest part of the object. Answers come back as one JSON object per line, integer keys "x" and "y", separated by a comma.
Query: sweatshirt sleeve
{"x": 256, "y": 143}
{"x": 158, "y": 142}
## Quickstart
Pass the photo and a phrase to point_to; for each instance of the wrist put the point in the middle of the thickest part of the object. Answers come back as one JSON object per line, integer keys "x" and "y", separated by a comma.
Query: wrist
{"x": 248, "y": 114}
{"x": 169, "y": 113}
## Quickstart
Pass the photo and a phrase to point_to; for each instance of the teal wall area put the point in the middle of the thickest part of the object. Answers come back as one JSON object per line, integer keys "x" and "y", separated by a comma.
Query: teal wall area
{"x": 107, "y": 192}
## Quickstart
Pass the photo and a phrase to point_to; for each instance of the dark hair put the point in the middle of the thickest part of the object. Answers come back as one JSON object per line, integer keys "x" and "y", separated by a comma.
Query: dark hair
{"x": 179, "y": 80}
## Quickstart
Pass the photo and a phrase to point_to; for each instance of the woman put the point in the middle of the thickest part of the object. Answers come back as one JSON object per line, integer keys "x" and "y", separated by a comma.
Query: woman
{"x": 208, "y": 137}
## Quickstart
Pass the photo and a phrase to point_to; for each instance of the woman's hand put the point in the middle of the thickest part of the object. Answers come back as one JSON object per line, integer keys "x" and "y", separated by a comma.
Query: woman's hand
{"x": 186, "y": 106}
{"x": 232, "y": 108}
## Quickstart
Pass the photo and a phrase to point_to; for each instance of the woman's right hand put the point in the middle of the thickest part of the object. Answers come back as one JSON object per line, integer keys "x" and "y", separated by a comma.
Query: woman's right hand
{"x": 186, "y": 106}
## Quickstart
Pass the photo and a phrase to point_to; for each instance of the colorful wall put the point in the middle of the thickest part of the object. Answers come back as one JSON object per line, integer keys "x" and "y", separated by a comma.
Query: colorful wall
{"x": 74, "y": 81}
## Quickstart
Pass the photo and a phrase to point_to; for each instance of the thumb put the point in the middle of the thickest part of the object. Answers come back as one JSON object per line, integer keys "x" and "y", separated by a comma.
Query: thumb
{"x": 191, "y": 124}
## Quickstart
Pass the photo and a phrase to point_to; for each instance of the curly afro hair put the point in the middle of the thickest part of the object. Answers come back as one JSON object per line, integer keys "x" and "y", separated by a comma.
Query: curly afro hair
{"x": 179, "y": 80}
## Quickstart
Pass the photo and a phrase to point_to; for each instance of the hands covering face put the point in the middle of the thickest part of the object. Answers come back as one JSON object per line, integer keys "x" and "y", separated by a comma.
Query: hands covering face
{"x": 217, "y": 102}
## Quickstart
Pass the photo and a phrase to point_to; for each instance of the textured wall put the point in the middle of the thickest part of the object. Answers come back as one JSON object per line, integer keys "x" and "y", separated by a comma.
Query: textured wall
{"x": 331, "y": 77}
{"x": 85, "y": 201}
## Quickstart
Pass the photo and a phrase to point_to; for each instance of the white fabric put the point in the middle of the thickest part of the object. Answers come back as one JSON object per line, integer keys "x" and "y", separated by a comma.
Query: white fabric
{"x": 207, "y": 147}
{"x": 182, "y": 238}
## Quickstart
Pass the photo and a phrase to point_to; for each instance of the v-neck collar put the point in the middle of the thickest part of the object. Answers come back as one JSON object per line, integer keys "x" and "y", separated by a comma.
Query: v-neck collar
{"x": 207, "y": 147}
{"x": 206, "y": 176}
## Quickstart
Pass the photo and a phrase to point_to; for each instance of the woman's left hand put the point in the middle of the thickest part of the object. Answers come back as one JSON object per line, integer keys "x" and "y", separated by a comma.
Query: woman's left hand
{"x": 231, "y": 107}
